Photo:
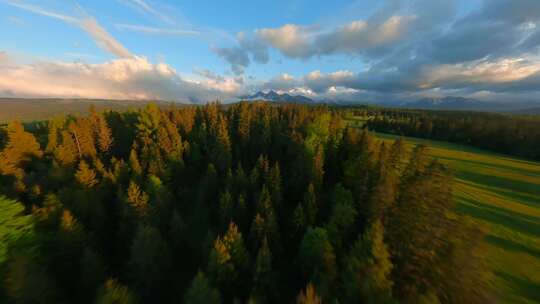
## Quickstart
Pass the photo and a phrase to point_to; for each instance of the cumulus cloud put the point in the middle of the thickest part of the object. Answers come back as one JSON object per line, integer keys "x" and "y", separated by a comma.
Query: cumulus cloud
{"x": 373, "y": 37}
{"x": 255, "y": 46}
{"x": 235, "y": 56}
{"x": 353, "y": 38}
{"x": 250, "y": 48}
{"x": 414, "y": 48}
{"x": 291, "y": 39}
{"x": 128, "y": 77}
{"x": 482, "y": 78}
{"x": 124, "y": 78}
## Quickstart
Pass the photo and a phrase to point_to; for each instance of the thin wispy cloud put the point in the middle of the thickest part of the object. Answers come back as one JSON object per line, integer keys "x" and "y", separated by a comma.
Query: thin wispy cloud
{"x": 89, "y": 24}
{"x": 41, "y": 11}
{"x": 16, "y": 21}
{"x": 79, "y": 55}
{"x": 147, "y": 8}
{"x": 155, "y": 30}
{"x": 103, "y": 38}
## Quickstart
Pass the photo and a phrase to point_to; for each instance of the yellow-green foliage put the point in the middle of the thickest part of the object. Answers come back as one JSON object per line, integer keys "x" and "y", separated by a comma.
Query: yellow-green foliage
{"x": 13, "y": 224}
{"x": 502, "y": 195}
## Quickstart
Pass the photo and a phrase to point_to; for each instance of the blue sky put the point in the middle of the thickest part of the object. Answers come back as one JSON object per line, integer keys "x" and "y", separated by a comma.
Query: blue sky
{"x": 193, "y": 51}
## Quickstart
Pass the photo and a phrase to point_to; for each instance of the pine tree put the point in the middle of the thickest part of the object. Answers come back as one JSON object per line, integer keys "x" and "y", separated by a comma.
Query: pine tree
{"x": 201, "y": 291}
{"x": 26, "y": 281}
{"x": 228, "y": 260}
{"x": 421, "y": 216}
{"x": 264, "y": 277}
{"x": 54, "y": 126}
{"x": 67, "y": 152}
{"x": 83, "y": 134}
{"x": 92, "y": 272}
{"x": 368, "y": 269}
{"x": 265, "y": 223}
{"x": 318, "y": 259}
{"x": 343, "y": 217}
{"x": 149, "y": 263}
{"x": 104, "y": 135}
{"x": 226, "y": 208}
{"x": 299, "y": 219}
{"x": 137, "y": 198}
{"x": 21, "y": 147}
{"x": 85, "y": 175}
{"x": 113, "y": 292}
{"x": 134, "y": 164}
{"x": 309, "y": 296}
{"x": 310, "y": 206}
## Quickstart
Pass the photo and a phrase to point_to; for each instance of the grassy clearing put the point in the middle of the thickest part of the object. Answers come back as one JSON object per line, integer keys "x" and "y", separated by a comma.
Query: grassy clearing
{"x": 501, "y": 194}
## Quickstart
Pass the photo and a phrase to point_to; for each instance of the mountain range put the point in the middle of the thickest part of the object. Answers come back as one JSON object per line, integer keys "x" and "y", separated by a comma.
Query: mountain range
{"x": 277, "y": 97}
{"x": 429, "y": 103}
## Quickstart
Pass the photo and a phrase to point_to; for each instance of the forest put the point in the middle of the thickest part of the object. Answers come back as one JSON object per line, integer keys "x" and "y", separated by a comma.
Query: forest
{"x": 244, "y": 203}
{"x": 512, "y": 134}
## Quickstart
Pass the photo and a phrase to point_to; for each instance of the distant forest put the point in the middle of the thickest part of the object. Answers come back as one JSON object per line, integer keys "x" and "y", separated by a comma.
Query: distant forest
{"x": 249, "y": 203}
{"x": 517, "y": 135}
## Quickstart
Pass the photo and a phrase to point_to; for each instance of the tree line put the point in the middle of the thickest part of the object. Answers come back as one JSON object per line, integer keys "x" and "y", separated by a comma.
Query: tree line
{"x": 249, "y": 203}
{"x": 517, "y": 135}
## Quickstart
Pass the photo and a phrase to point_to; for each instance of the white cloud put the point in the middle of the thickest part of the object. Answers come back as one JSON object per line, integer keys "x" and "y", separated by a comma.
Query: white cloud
{"x": 124, "y": 78}
{"x": 291, "y": 39}
{"x": 505, "y": 70}
{"x": 358, "y": 36}
{"x": 305, "y": 41}
{"x": 41, "y": 11}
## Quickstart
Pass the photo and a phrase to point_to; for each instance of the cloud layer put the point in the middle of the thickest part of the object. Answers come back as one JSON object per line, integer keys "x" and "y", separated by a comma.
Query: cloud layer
{"x": 127, "y": 77}
{"x": 124, "y": 78}
{"x": 414, "y": 47}
{"x": 405, "y": 48}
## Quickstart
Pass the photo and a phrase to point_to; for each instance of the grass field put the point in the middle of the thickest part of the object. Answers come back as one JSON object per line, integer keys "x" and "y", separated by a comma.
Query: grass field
{"x": 502, "y": 194}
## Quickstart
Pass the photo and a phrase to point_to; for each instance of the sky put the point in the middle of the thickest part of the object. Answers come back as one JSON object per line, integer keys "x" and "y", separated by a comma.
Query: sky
{"x": 199, "y": 51}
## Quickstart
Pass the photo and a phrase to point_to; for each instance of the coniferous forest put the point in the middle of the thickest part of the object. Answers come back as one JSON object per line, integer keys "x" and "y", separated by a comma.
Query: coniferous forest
{"x": 511, "y": 134}
{"x": 244, "y": 203}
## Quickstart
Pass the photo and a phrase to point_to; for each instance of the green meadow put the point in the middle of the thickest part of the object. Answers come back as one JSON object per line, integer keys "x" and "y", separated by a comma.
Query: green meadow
{"x": 502, "y": 195}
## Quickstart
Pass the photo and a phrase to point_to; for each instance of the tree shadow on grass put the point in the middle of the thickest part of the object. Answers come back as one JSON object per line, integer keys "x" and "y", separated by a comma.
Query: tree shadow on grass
{"x": 515, "y": 221}
{"x": 511, "y": 245}
{"x": 500, "y": 182}
{"x": 521, "y": 286}
{"x": 518, "y": 197}
{"x": 523, "y": 171}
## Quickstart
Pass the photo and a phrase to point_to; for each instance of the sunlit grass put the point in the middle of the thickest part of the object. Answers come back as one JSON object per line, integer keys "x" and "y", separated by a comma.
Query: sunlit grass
{"x": 502, "y": 194}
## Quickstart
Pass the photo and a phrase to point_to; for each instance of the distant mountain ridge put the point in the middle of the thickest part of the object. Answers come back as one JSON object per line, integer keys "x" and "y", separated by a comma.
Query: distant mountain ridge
{"x": 467, "y": 104}
{"x": 451, "y": 103}
{"x": 277, "y": 97}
